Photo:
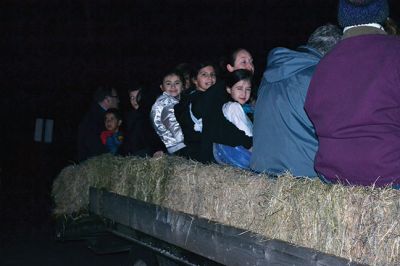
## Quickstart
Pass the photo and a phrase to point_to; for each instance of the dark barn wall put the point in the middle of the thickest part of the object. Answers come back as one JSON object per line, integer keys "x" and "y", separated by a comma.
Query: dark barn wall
{"x": 77, "y": 43}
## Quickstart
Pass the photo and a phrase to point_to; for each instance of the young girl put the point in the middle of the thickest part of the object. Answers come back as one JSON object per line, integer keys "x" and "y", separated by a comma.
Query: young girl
{"x": 112, "y": 137}
{"x": 163, "y": 117}
{"x": 238, "y": 86}
{"x": 188, "y": 111}
{"x": 217, "y": 129}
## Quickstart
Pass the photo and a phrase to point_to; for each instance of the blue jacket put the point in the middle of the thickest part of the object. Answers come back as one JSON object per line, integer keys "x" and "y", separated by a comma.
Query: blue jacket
{"x": 283, "y": 137}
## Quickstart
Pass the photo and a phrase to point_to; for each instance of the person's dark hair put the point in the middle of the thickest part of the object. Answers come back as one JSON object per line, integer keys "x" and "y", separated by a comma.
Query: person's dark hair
{"x": 391, "y": 27}
{"x": 240, "y": 74}
{"x": 230, "y": 59}
{"x": 115, "y": 112}
{"x": 325, "y": 37}
{"x": 196, "y": 68}
{"x": 137, "y": 88}
{"x": 184, "y": 68}
{"x": 139, "y": 95}
{"x": 173, "y": 72}
{"x": 101, "y": 93}
{"x": 232, "y": 56}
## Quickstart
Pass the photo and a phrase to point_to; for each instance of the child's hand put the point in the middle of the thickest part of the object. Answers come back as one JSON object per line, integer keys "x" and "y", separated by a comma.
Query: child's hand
{"x": 158, "y": 154}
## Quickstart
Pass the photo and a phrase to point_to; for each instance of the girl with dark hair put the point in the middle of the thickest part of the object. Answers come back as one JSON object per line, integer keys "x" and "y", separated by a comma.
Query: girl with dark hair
{"x": 163, "y": 116}
{"x": 188, "y": 111}
{"x": 217, "y": 129}
{"x": 203, "y": 76}
{"x": 238, "y": 86}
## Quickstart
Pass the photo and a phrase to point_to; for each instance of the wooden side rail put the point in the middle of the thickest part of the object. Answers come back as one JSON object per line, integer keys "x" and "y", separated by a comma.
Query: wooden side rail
{"x": 220, "y": 243}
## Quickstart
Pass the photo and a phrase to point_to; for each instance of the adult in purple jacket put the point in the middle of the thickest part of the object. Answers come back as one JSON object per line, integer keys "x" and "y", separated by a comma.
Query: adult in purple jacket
{"x": 354, "y": 100}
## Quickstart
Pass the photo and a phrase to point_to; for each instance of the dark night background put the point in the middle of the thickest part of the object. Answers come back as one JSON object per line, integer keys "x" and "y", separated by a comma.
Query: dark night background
{"x": 55, "y": 54}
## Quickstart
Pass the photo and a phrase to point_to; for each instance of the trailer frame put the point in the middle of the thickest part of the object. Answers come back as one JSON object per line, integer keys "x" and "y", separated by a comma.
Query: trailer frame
{"x": 215, "y": 242}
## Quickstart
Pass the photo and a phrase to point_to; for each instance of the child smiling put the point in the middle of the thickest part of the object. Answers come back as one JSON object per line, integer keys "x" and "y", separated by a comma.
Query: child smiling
{"x": 238, "y": 85}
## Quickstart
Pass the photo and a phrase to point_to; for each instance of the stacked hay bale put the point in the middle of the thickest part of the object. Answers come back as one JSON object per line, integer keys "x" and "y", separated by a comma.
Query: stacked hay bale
{"x": 358, "y": 223}
{"x": 130, "y": 176}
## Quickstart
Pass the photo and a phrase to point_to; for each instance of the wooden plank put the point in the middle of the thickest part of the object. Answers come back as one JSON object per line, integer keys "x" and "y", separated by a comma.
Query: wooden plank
{"x": 220, "y": 243}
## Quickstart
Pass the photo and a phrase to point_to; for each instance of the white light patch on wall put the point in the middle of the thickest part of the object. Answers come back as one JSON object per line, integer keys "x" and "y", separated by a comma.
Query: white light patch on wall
{"x": 38, "y": 130}
{"x": 44, "y": 130}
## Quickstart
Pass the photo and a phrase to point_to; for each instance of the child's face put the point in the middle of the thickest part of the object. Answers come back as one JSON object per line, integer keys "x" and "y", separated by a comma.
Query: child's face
{"x": 111, "y": 122}
{"x": 241, "y": 91}
{"x": 172, "y": 85}
{"x": 133, "y": 99}
{"x": 205, "y": 78}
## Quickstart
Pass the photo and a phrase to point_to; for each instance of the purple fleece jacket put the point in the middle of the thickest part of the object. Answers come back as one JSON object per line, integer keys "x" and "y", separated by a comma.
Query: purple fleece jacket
{"x": 354, "y": 102}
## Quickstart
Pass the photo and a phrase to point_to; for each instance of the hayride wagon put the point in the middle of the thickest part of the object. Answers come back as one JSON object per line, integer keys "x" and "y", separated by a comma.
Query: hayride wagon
{"x": 172, "y": 211}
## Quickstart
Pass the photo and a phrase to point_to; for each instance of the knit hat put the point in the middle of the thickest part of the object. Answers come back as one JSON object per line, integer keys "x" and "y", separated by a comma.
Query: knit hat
{"x": 357, "y": 12}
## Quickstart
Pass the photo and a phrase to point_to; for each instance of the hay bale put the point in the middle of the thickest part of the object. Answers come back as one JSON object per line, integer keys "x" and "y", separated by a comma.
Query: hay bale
{"x": 225, "y": 194}
{"x": 135, "y": 177}
{"x": 142, "y": 179}
{"x": 358, "y": 223}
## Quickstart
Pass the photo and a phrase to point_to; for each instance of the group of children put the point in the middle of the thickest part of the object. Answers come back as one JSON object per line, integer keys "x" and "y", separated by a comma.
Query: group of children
{"x": 198, "y": 115}
{"x": 189, "y": 122}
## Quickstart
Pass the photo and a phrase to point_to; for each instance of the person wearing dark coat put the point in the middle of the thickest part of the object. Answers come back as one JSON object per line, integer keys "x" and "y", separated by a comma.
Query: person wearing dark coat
{"x": 216, "y": 128}
{"x": 140, "y": 137}
{"x": 92, "y": 124}
{"x": 354, "y": 100}
{"x": 188, "y": 110}
{"x": 192, "y": 138}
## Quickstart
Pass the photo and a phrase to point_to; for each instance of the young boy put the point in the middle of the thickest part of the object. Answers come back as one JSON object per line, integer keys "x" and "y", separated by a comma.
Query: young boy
{"x": 112, "y": 137}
